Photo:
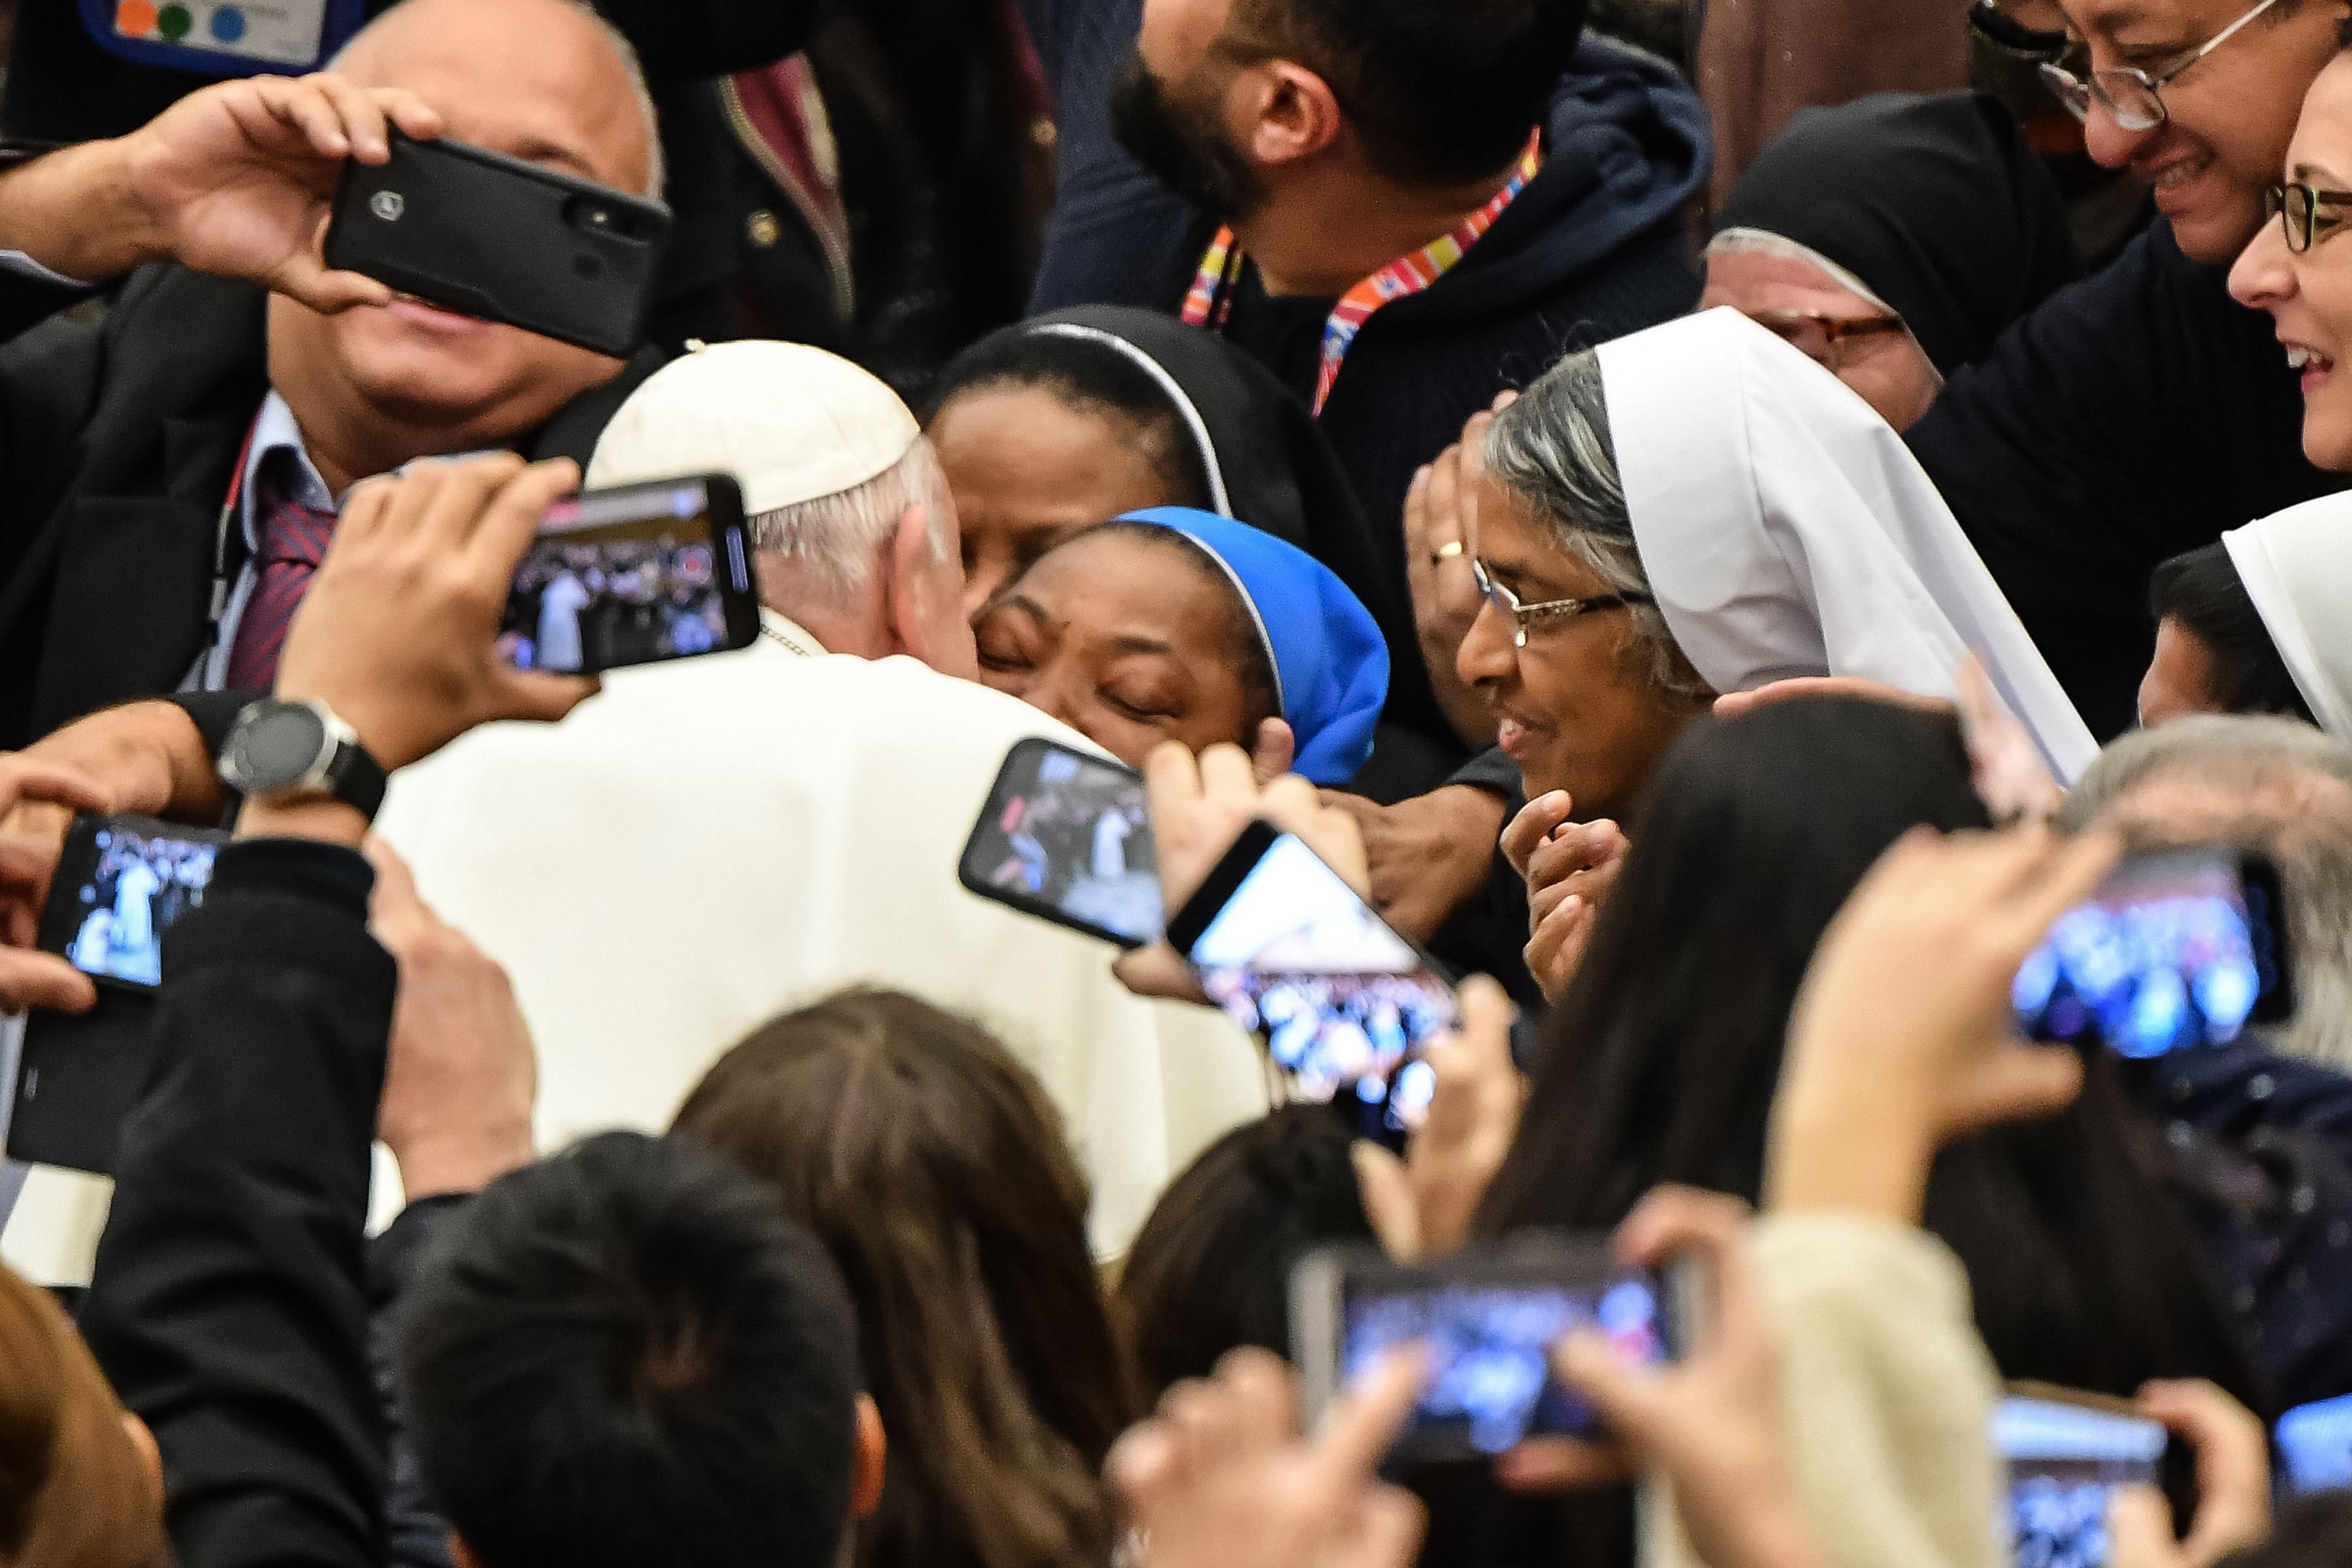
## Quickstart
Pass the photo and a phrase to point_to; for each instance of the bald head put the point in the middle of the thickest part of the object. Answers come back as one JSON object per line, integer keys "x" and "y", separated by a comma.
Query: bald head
{"x": 548, "y": 81}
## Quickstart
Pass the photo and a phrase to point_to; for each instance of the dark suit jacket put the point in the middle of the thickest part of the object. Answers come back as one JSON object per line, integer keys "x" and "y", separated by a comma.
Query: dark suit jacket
{"x": 118, "y": 431}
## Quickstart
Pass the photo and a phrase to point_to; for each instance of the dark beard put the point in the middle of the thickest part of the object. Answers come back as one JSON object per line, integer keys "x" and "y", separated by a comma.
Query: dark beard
{"x": 1179, "y": 147}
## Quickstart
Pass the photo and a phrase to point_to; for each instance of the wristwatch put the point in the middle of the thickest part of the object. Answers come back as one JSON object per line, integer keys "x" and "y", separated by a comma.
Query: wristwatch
{"x": 278, "y": 749}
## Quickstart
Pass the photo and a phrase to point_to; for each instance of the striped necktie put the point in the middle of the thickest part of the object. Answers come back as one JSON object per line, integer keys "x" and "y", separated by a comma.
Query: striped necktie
{"x": 294, "y": 538}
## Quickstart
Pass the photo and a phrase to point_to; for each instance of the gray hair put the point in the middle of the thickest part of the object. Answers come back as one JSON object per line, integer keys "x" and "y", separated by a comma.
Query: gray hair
{"x": 835, "y": 541}
{"x": 656, "y": 167}
{"x": 1551, "y": 449}
{"x": 2241, "y": 761}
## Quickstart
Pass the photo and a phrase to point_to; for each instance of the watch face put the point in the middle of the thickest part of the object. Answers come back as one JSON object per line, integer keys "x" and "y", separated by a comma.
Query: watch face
{"x": 277, "y": 747}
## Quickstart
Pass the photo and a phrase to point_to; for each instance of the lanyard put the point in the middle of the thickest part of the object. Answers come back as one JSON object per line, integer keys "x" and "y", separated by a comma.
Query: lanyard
{"x": 1210, "y": 302}
{"x": 221, "y": 533}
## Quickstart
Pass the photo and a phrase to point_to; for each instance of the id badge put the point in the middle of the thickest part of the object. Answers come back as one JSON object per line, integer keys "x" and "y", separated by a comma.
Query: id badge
{"x": 223, "y": 37}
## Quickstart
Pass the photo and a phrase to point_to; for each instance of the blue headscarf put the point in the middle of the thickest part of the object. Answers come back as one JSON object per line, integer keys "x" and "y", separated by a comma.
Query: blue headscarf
{"x": 1330, "y": 663}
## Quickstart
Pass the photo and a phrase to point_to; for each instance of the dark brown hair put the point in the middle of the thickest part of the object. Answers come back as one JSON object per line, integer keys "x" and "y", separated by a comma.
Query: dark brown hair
{"x": 933, "y": 1167}
{"x": 74, "y": 1492}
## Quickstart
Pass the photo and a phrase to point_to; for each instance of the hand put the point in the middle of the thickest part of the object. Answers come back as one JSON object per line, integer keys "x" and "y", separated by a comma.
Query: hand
{"x": 1732, "y": 704}
{"x": 1439, "y": 532}
{"x": 29, "y": 978}
{"x": 1427, "y": 856}
{"x": 1199, "y": 806}
{"x": 147, "y": 757}
{"x": 237, "y": 179}
{"x": 1275, "y": 749}
{"x": 398, "y": 632}
{"x": 1569, "y": 868}
{"x": 1422, "y": 1205}
{"x": 1220, "y": 1479}
{"x": 462, "y": 1077}
{"x": 2233, "y": 1483}
{"x": 1711, "y": 1423}
{"x": 1903, "y": 1037}
{"x": 2004, "y": 760}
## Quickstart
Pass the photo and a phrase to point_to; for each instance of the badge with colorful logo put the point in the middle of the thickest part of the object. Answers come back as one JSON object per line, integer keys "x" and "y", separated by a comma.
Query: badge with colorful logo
{"x": 223, "y": 37}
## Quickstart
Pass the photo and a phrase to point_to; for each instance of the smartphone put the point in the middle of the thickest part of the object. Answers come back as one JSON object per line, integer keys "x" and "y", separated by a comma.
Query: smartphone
{"x": 2175, "y": 950}
{"x": 2066, "y": 1453}
{"x": 484, "y": 235}
{"x": 2315, "y": 1443}
{"x": 634, "y": 574}
{"x": 121, "y": 883}
{"x": 1346, "y": 1005}
{"x": 1487, "y": 1317}
{"x": 1067, "y": 836}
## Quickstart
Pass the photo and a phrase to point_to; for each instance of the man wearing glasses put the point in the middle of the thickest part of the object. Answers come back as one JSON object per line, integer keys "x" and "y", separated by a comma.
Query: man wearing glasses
{"x": 2141, "y": 411}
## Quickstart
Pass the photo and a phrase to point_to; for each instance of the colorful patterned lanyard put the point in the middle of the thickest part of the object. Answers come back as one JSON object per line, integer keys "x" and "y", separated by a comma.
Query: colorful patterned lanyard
{"x": 1210, "y": 300}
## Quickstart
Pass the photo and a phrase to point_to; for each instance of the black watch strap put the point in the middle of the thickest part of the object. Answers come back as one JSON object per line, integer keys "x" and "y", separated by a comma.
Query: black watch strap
{"x": 358, "y": 778}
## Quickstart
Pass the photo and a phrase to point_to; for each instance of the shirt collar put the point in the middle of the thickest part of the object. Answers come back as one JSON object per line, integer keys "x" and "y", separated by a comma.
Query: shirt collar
{"x": 789, "y": 634}
{"x": 275, "y": 429}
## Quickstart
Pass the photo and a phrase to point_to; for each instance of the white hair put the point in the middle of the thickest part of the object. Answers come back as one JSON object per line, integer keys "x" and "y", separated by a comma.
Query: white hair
{"x": 2239, "y": 763}
{"x": 656, "y": 168}
{"x": 835, "y": 542}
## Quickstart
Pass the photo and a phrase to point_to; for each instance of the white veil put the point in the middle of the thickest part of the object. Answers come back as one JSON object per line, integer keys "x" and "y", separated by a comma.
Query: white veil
{"x": 1786, "y": 530}
{"x": 2296, "y": 566}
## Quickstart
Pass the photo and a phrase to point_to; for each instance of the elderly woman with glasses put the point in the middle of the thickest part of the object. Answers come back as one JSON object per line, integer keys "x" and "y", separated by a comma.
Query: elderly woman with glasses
{"x": 1701, "y": 508}
{"x": 2298, "y": 269}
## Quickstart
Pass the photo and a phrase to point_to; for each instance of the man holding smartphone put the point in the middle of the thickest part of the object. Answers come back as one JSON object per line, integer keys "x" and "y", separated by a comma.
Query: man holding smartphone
{"x": 171, "y": 472}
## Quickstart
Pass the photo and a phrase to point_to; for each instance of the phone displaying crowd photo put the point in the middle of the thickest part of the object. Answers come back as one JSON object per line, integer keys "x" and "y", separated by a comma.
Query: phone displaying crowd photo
{"x": 1488, "y": 1318}
{"x": 121, "y": 883}
{"x": 1345, "y": 1005}
{"x": 2066, "y": 1454}
{"x": 634, "y": 574}
{"x": 2175, "y": 950}
{"x": 1068, "y": 836}
{"x": 2315, "y": 1445}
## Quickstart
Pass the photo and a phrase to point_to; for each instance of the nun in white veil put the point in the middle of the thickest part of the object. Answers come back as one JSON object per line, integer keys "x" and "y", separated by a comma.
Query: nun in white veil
{"x": 2297, "y": 566}
{"x": 1783, "y": 530}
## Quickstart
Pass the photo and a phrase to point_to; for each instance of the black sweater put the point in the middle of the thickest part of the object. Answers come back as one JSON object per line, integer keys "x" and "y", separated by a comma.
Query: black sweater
{"x": 2133, "y": 415}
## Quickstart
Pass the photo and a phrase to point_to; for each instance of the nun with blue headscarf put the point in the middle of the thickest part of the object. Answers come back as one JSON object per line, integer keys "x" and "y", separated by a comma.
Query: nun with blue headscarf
{"x": 1176, "y": 624}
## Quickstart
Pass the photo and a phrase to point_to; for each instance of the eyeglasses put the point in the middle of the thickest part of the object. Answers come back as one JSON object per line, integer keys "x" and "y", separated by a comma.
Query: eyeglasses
{"x": 2298, "y": 207}
{"x": 2132, "y": 97}
{"x": 1505, "y": 601}
{"x": 1818, "y": 335}
{"x": 1996, "y": 27}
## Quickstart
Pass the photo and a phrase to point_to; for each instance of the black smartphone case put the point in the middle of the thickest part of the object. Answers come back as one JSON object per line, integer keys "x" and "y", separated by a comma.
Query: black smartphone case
{"x": 79, "y": 1077}
{"x": 493, "y": 236}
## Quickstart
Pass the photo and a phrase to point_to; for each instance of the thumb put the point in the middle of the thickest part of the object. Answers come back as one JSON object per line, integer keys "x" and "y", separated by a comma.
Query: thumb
{"x": 1275, "y": 750}
{"x": 1621, "y": 1396}
{"x": 537, "y": 695}
{"x": 2022, "y": 1083}
{"x": 2140, "y": 1525}
{"x": 1387, "y": 1192}
{"x": 305, "y": 278}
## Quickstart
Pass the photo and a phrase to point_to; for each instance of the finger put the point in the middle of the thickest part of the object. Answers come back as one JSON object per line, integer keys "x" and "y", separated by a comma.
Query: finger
{"x": 1549, "y": 946}
{"x": 1474, "y": 456}
{"x": 1732, "y": 704}
{"x": 1564, "y": 1464}
{"x": 1505, "y": 398}
{"x": 1360, "y": 1428}
{"x": 469, "y": 487}
{"x": 2066, "y": 878}
{"x": 1672, "y": 1220}
{"x": 366, "y": 511}
{"x": 1275, "y": 750}
{"x": 415, "y": 117}
{"x": 2020, "y": 1084}
{"x": 1171, "y": 781}
{"x": 306, "y": 108}
{"x": 2233, "y": 1449}
{"x": 1262, "y": 1408}
{"x": 538, "y": 697}
{"x": 23, "y": 778}
{"x": 1144, "y": 1466}
{"x": 1417, "y": 541}
{"x": 1533, "y": 824}
{"x": 306, "y": 279}
{"x": 1386, "y": 1189}
{"x": 510, "y": 521}
{"x": 1622, "y": 1397}
{"x": 29, "y": 979}
{"x": 1444, "y": 499}
{"x": 1226, "y": 774}
{"x": 395, "y": 896}
{"x": 1158, "y": 973}
{"x": 1388, "y": 1531}
{"x": 357, "y": 112}
{"x": 1575, "y": 847}
{"x": 2139, "y": 1528}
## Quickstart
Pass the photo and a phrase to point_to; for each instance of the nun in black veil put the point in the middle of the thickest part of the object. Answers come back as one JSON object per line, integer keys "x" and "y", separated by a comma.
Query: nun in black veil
{"x": 1054, "y": 425}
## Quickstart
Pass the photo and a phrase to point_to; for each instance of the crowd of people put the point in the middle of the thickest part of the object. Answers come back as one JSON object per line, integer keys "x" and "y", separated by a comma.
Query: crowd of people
{"x": 1711, "y": 530}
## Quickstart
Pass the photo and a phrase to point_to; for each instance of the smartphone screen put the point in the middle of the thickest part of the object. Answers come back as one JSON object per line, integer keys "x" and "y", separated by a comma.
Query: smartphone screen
{"x": 121, "y": 883}
{"x": 632, "y": 575}
{"x": 1488, "y": 1318}
{"x": 2175, "y": 950}
{"x": 2314, "y": 1444}
{"x": 1345, "y": 1004}
{"x": 1068, "y": 836}
{"x": 2065, "y": 1460}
